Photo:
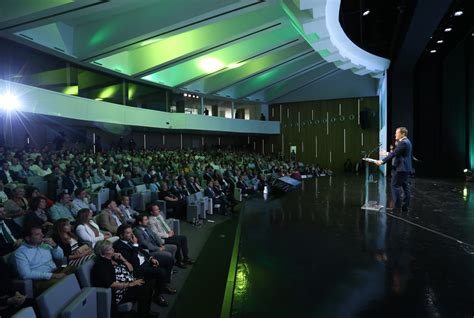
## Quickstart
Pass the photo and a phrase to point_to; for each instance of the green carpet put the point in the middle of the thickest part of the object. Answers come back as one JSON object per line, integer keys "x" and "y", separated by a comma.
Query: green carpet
{"x": 203, "y": 291}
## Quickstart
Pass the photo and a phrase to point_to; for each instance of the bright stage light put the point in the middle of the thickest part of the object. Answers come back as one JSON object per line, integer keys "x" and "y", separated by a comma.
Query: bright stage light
{"x": 366, "y": 13}
{"x": 448, "y": 29}
{"x": 458, "y": 13}
{"x": 9, "y": 102}
{"x": 439, "y": 41}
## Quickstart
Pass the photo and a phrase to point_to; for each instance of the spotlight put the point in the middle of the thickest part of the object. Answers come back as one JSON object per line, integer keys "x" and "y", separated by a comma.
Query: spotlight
{"x": 439, "y": 41}
{"x": 185, "y": 95}
{"x": 458, "y": 13}
{"x": 9, "y": 102}
{"x": 433, "y": 51}
{"x": 448, "y": 29}
{"x": 366, "y": 13}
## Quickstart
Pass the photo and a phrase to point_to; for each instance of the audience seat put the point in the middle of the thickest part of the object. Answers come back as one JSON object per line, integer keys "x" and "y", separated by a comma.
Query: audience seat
{"x": 63, "y": 297}
{"x": 27, "y": 312}
{"x": 24, "y": 286}
{"x": 104, "y": 295}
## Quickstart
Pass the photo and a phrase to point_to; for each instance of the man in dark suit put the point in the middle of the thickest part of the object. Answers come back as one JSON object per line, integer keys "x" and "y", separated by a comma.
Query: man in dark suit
{"x": 402, "y": 167}
{"x": 10, "y": 234}
{"x": 144, "y": 265}
{"x": 7, "y": 175}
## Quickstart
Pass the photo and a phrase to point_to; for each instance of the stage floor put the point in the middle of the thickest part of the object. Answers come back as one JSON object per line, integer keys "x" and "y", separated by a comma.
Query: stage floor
{"x": 314, "y": 253}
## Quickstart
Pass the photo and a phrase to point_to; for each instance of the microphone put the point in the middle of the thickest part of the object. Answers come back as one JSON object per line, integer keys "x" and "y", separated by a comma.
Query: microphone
{"x": 370, "y": 152}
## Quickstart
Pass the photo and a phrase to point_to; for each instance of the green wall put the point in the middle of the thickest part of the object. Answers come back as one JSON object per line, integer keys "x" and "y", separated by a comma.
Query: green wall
{"x": 305, "y": 126}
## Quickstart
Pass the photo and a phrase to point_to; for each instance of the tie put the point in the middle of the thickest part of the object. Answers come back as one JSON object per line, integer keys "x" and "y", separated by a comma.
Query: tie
{"x": 6, "y": 234}
{"x": 150, "y": 237}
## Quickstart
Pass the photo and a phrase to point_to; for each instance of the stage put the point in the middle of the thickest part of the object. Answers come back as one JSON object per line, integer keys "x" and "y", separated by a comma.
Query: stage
{"x": 314, "y": 253}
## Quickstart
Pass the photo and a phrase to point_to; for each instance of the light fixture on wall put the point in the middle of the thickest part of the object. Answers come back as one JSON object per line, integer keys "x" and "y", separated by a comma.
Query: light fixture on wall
{"x": 440, "y": 41}
{"x": 366, "y": 13}
{"x": 448, "y": 29}
{"x": 433, "y": 51}
{"x": 458, "y": 13}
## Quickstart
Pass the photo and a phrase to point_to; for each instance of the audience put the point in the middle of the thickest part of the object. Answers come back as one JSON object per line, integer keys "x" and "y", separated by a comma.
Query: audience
{"x": 63, "y": 209}
{"x": 87, "y": 230}
{"x": 141, "y": 269}
{"x": 75, "y": 253}
{"x": 10, "y": 234}
{"x": 112, "y": 270}
{"x": 34, "y": 259}
{"x": 144, "y": 265}
{"x": 158, "y": 226}
{"x": 111, "y": 217}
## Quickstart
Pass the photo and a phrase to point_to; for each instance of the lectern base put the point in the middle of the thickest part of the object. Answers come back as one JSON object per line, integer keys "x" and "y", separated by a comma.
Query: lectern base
{"x": 372, "y": 206}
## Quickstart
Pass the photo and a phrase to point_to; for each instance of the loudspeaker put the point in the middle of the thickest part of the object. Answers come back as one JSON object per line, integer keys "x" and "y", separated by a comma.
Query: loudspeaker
{"x": 285, "y": 184}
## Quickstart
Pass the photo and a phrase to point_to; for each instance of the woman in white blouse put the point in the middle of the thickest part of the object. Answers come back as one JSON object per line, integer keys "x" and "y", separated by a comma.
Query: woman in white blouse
{"x": 87, "y": 230}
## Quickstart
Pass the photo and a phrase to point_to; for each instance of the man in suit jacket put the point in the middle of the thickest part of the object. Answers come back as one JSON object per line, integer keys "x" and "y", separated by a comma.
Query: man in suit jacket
{"x": 402, "y": 167}
{"x": 165, "y": 254}
{"x": 111, "y": 217}
{"x": 216, "y": 198}
{"x": 10, "y": 234}
{"x": 6, "y": 175}
{"x": 144, "y": 265}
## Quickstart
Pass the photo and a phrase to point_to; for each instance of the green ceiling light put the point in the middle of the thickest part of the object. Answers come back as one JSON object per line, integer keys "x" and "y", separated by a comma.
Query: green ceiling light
{"x": 132, "y": 89}
{"x": 71, "y": 90}
{"x": 149, "y": 41}
{"x": 235, "y": 65}
{"x": 108, "y": 92}
{"x": 210, "y": 65}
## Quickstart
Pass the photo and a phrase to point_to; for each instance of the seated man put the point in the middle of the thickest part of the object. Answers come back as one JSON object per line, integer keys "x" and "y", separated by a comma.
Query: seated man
{"x": 62, "y": 209}
{"x": 81, "y": 201}
{"x": 148, "y": 240}
{"x": 216, "y": 198}
{"x": 111, "y": 217}
{"x": 178, "y": 206}
{"x": 34, "y": 260}
{"x": 193, "y": 186}
{"x": 128, "y": 212}
{"x": 158, "y": 226}
{"x": 144, "y": 265}
{"x": 10, "y": 234}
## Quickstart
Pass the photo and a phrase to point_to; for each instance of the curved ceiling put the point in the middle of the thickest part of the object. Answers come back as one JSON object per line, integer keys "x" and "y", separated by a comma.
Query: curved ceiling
{"x": 247, "y": 50}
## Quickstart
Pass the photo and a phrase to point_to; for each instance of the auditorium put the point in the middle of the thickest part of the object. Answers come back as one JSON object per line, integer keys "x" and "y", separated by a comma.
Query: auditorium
{"x": 236, "y": 158}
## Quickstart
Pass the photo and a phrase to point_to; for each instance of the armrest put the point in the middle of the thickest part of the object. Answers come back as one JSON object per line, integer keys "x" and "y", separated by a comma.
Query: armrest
{"x": 84, "y": 304}
{"x": 24, "y": 286}
{"x": 104, "y": 302}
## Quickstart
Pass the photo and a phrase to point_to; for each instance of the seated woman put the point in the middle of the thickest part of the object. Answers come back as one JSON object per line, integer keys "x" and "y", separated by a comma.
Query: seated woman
{"x": 38, "y": 216}
{"x": 87, "y": 230}
{"x": 112, "y": 270}
{"x": 63, "y": 236}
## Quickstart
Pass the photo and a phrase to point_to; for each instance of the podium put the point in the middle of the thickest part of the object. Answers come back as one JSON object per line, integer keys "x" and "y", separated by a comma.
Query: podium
{"x": 369, "y": 205}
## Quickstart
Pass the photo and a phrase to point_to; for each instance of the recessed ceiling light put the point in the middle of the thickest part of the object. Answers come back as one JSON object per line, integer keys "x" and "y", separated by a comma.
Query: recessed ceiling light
{"x": 448, "y": 29}
{"x": 185, "y": 95}
{"x": 433, "y": 51}
{"x": 458, "y": 13}
{"x": 439, "y": 41}
{"x": 366, "y": 12}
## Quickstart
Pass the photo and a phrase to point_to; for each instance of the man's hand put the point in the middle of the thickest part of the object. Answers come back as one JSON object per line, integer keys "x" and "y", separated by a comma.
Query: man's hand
{"x": 50, "y": 242}
{"x": 134, "y": 239}
{"x": 154, "y": 262}
{"x": 18, "y": 242}
{"x": 58, "y": 275}
{"x": 379, "y": 162}
{"x": 137, "y": 282}
{"x": 162, "y": 248}
{"x": 107, "y": 235}
{"x": 171, "y": 233}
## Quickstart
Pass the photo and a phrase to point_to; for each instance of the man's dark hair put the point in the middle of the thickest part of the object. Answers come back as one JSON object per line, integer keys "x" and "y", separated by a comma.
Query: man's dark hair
{"x": 28, "y": 229}
{"x": 403, "y": 131}
{"x": 121, "y": 229}
{"x": 78, "y": 191}
{"x": 62, "y": 195}
{"x": 139, "y": 218}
